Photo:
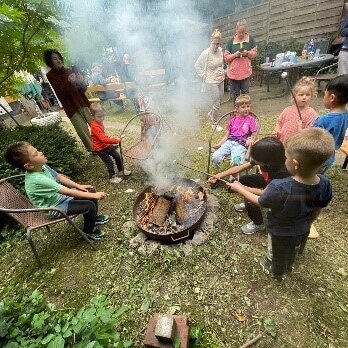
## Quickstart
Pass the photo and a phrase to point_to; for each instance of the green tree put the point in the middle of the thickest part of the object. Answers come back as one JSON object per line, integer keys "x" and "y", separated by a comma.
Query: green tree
{"x": 27, "y": 27}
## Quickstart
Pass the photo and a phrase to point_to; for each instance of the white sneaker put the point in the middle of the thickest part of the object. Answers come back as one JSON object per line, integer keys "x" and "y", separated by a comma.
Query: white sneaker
{"x": 239, "y": 207}
{"x": 115, "y": 179}
{"x": 126, "y": 172}
{"x": 251, "y": 228}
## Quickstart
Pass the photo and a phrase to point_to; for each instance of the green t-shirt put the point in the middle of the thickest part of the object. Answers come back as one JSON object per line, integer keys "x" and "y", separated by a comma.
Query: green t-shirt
{"x": 43, "y": 189}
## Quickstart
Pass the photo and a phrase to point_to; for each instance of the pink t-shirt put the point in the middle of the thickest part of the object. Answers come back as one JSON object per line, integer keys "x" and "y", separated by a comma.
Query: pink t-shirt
{"x": 240, "y": 128}
{"x": 287, "y": 122}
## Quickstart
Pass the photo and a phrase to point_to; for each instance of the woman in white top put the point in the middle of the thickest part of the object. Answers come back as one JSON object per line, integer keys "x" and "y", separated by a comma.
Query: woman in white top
{"x": 209, "y": 66}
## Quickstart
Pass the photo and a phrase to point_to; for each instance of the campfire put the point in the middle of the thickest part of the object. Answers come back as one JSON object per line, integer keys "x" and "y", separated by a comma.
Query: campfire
{"x": 170, "y": 210}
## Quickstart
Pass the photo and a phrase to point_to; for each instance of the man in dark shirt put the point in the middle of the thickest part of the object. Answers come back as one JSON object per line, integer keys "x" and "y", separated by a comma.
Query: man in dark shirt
{"x": 71, "y": 93}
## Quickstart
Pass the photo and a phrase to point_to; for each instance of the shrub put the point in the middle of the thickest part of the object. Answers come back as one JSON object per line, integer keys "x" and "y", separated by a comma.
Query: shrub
{"x": 31, "y": 321}
{"x": 57, "y": 144}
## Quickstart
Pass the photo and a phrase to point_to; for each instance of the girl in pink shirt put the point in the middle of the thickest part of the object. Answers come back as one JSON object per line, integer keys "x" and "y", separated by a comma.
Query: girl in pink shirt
{"x": 290, "y": 122}
{"x": 241, "y": 132}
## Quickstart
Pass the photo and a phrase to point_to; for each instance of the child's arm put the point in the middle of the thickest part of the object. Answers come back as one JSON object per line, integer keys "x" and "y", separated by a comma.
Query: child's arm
{"x": 65, "y": 181}
{"x": 82, "y": 194}
{"x": 242, "y": 190}
{"x": 105, "y": 139}
{"x": 251, "y": 140}
{"x": 278, "y": 126}
{"x": 222, "y": 140}
{"x": 230, "y": 171}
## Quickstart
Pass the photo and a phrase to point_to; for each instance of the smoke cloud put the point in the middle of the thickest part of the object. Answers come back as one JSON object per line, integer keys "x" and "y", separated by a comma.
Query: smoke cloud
{"x": 156, "y": 34}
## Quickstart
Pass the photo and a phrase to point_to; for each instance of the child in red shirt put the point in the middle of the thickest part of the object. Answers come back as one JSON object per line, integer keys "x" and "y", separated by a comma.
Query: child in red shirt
{"x": 103, "y": 145}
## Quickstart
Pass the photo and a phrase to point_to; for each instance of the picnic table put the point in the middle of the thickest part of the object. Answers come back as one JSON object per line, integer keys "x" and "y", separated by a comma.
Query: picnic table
{"x": 293, "y": 70}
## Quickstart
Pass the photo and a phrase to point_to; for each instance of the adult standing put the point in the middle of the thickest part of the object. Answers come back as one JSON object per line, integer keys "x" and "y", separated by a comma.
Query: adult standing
{"x": 240, "y": 50}
{"x": 209, "y": 66}
{"x": 343, "y": 55}
{"x": 70, "y": 90}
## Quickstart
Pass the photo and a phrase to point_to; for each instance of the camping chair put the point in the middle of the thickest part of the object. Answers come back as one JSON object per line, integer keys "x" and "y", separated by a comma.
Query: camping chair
{"x": 151, "y": 127}
{"x": 228, "y": 116}
{"x": 20, "y": 209}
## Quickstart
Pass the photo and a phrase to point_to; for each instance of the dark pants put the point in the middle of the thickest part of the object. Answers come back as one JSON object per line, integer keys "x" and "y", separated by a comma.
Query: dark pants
{"x": 284, "y": 252}
{"x": 256, "y": 181}
{"x": 238, "y": 87}
{"x": 107, "y": 155}
{"x": 89, "y": 209}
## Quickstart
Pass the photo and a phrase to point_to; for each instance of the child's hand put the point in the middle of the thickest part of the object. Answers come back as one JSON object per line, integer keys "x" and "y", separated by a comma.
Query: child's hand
{"x": 84, "y": 188}
{"x": 274, "y": 134}
{"x": 216, "y": 146}
{"x": 100, "y": 195}
{"x": 234, "y": 185}
{"x": 299, "y": 125}
{"x": 249, "y": 141}
{"x": 214, "y": 179}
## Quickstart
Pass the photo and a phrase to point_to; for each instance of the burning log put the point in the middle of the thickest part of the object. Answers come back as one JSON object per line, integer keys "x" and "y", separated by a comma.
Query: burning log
{"x": 160, "y": 211}
{"x": 180, "y": 210}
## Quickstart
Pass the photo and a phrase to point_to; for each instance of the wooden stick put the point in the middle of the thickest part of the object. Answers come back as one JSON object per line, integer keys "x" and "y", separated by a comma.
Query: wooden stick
{"x": 252, "y": 341}
{"x": 200, "y": 171}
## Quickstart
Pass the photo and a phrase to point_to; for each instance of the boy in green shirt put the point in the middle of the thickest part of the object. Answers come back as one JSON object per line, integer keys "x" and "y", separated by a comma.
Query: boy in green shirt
{"x": 46, "y": 188}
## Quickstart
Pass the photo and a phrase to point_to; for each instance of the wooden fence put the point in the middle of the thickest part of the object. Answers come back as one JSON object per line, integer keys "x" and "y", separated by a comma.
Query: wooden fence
{"x": 278, "y": 20}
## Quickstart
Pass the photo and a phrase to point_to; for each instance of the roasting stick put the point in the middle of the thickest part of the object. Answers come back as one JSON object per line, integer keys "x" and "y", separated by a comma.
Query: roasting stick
{"x": 200, "y": 171}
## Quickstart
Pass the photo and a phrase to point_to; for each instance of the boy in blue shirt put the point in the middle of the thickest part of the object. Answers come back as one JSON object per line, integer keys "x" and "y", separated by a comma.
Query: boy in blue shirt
{"x": 46, "y": 188}
{"x": 336, "y": 120}
{"x": 296, "y": 201}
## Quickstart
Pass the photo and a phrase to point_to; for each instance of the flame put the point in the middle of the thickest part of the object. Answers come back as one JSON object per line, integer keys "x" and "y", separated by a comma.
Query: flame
{"x": 147, "y": 205}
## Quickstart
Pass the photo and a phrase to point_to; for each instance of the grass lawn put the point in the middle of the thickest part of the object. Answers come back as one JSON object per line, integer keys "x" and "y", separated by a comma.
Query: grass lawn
{"x": 218, "y": 283}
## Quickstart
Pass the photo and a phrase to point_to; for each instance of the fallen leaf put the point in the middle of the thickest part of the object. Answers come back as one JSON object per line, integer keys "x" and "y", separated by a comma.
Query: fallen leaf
{"x": 269, "y": 326}
{"x": 173, "y": 309}
{"x": 240, "y": 317}
{"x": 342, "y": 272}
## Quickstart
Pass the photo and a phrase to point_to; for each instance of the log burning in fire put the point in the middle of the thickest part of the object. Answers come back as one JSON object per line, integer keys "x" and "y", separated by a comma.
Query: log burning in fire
{"x": 168, "y": 210}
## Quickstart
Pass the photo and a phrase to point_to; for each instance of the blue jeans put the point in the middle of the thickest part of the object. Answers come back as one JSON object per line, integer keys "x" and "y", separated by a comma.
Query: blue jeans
{"x": 229, "y": 148}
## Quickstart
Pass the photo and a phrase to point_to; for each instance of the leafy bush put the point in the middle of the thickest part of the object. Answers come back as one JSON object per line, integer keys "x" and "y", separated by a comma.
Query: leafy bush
{"x": 31, "y": 321}
{"x": 57, "y": 144}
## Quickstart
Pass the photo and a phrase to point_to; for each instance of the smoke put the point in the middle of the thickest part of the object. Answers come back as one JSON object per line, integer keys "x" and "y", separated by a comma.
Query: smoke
{"x": 168, "y": 34}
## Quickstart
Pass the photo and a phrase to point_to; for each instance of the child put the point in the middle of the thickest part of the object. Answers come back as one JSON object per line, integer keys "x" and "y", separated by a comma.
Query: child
{"x": 294, "y": 202}
{"x": 289, "y": 122}
{"x": 46, "y": 188}
{"x": 336, "y": 120}
{"x": 269, "y": 154}
{"x": 102, "y": 145}
{"x": 241, "y": 133}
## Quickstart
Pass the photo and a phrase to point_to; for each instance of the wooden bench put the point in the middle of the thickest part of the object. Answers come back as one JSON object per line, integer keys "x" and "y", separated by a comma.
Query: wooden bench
{"x": 117, "y": 87}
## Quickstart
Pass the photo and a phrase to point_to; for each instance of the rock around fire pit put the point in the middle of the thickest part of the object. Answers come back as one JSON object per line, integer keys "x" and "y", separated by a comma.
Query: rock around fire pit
{"x": 170, "y": 213}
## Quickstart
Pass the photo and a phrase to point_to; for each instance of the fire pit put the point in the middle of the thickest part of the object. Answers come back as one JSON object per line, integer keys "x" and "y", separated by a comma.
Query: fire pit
{"x": 170, "y": 214}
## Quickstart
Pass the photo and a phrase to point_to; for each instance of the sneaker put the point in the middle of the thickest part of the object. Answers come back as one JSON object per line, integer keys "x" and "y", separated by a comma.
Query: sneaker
{"x": 126, "y": 172}
{"x": 239, "y": 207}
{"x": 251, "y": 228}
{"x": 101, "y": 219}
{"x": 115, "y": 179}
{"x": 96, "y": 234}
